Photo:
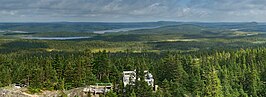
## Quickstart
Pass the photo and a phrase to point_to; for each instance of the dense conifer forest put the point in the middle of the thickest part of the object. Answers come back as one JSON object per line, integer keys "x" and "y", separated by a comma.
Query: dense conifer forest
{"x": 231, "y": 74}
{"x": 198, "y": 60}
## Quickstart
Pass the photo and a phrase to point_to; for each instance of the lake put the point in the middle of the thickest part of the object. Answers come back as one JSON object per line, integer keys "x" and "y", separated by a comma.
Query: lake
{"x": 124, "y": 29}
{"x": 55, "y": 38}
{"x": 76, "y": 38}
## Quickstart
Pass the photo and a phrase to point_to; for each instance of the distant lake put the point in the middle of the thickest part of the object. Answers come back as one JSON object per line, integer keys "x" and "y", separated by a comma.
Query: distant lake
{"x": 124, "y": 29}
{"x": 54, "y": 38}
{"x": 98, "y": 32}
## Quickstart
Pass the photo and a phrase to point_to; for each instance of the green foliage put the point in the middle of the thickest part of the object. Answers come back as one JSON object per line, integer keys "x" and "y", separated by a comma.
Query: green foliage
{"x": 111, "y": 94}
{"x": 166, "y": 89}
{"x": 6, "y": 77}
{"x": 34, "y": 90}
{"x": 63, "y": 94}
{"x": 133, "y": 94}
{"x": 232, "y": 73}
{"x": 159, "y": 93}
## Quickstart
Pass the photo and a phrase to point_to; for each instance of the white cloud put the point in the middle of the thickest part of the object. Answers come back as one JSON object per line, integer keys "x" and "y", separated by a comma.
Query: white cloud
{"x": 5, "y": 12}
{"x": 153, "y": 9}
{"x": 88, "y": 10}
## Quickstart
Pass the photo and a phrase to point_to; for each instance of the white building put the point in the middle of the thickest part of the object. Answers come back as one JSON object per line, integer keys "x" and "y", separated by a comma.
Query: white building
{"x": 129, "y": 77}
{"x": 149, "y": 78}
{"x": 99, "y": 88}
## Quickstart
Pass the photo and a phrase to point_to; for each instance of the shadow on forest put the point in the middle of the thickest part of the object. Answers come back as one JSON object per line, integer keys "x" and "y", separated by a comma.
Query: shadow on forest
{"x": 21, "y": 45}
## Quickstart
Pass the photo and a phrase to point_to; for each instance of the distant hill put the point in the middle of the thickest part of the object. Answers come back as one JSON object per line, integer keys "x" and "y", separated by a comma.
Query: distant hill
{"x": 78, "y": 26}
{"x": 97, "y": 26}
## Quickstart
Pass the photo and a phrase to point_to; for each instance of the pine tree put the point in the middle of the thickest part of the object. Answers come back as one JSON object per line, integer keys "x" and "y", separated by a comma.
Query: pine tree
{"x": 158, "y": 93}
{"x": 50, "y": 76}
{"x": 68, "y": 75}
{"x": 166, "y": 88}
{"x": 111, "y": 94}
{"x": 213, "y": 86}
{"x": 102, "y": 66}
{"x": 252, "y": 81}
{"x": 5, "y": 74}
{"x": 133, "y": 94}
{"x": 141, "y": 86}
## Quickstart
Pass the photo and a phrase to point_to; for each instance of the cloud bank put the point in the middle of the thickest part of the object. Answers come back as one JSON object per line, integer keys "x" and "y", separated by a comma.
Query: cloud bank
{"x": 131, "y": 10}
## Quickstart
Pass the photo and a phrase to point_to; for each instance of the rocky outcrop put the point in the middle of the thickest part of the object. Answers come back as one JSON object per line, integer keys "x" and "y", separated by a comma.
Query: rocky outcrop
{"x": 20, "y": 92}
{"x": 10, "y": 93}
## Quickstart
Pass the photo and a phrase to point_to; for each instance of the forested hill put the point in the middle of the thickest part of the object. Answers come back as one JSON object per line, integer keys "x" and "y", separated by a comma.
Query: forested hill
{"x": 96, "y": 26}
{"x": 78, "y": 26}
{"x": 230, "y": 74}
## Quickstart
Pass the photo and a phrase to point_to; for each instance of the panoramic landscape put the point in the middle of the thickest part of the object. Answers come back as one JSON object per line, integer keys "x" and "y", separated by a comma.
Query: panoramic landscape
{"x": 138, "y": 48}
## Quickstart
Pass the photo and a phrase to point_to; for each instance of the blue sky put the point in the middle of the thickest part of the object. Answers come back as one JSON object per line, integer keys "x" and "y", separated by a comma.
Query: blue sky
{"x": 132, "y": 10}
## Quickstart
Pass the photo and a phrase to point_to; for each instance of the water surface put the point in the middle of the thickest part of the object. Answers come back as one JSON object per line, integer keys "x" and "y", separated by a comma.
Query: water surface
{"x": 54, "y": 38}
{"x": 123, "y": 29}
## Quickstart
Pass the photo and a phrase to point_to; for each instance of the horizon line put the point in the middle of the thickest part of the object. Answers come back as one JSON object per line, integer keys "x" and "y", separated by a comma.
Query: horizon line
{"x": 134, "y": 22}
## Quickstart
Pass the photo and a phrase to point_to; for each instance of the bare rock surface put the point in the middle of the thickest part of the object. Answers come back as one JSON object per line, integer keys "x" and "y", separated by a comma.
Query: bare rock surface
{"x": 21, "y": 92}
